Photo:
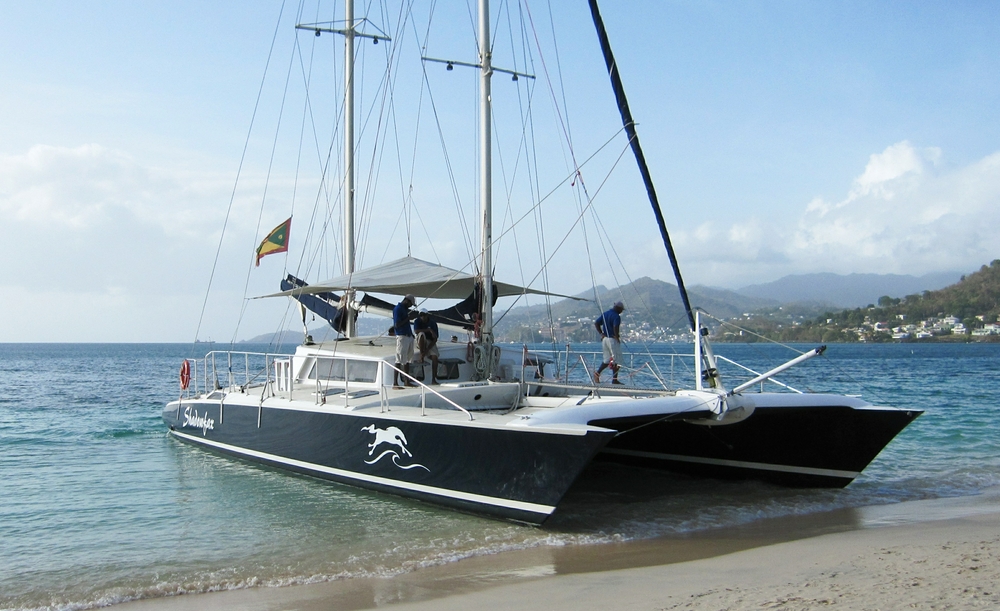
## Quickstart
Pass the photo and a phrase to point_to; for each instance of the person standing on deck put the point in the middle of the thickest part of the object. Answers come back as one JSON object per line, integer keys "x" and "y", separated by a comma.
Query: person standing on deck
{"x": 404, "y": 339}
{"x": 427, "y": 336}
{"x": 609, "y": 326}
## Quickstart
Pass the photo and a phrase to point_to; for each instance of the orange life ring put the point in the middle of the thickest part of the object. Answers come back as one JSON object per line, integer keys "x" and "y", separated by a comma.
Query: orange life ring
{"x": 185, "y": 374}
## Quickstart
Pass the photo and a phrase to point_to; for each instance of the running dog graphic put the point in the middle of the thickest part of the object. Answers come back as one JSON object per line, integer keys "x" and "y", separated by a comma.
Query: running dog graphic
{"x": 392, "y": 436}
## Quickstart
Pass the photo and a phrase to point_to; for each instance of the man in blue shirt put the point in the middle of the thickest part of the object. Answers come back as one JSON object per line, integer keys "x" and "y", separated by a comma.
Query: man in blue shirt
{"x": 404, "y": 339}
{"x": 609, "y": 326}
{"x": 427, "y": 336}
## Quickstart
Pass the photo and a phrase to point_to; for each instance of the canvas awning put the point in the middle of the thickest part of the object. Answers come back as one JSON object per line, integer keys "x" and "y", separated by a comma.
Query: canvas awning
{"x": 412, "y": 276}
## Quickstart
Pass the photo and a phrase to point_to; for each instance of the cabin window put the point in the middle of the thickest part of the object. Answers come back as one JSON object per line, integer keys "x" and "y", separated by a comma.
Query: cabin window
{"x": 328, "y": 370}
{"x": 362, "y": 371}
{"x": 336, "y": 370}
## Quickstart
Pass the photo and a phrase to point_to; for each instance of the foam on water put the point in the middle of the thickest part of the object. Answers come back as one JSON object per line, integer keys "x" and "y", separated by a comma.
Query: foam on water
{"x": 99, "y": 506}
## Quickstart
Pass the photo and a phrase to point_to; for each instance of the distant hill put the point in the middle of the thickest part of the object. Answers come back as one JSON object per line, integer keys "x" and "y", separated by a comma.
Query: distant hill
{"x": 651, "y": 303}
{"x": 977, "y": 294}
{"x": 974, "y": 300}
{"x": 850, "y": 291}
{"x": 367, "y": 325}
{"x": 655, "y": 309}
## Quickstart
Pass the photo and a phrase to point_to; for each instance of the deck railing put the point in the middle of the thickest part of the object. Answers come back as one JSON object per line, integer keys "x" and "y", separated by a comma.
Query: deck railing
{"x": 424, "y": 389}
{"x": 272, "y": 372}
{"x": 225, "y": 369}
{"x": 660, "y": 370}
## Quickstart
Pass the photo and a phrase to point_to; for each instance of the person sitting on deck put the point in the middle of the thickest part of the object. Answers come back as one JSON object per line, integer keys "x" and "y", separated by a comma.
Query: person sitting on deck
{"x": 427, "y": 336}
{"x": 404, "y": 340}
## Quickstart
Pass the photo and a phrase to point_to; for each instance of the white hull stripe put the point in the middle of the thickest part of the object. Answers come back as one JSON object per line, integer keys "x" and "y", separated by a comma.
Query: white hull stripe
{"x": 455, "y": 494}
{"x": 735, "y": 463}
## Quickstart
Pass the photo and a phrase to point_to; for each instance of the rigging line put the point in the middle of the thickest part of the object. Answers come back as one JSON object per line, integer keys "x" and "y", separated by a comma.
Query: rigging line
{"x": 563, "y": 123}
{"x": 451, "y": 172}
{"x": 606, "y": 243}
{"x": 386, "y": 88}
{"x": 523, "y": 145}
{"x": 406, "y": 17}
{"x": 559, "y": 73}
{"x": 414, "y": 210}
{"x": 507, "y": 184}
{"x": 751, "y": 332}
{"x": 406, "y": 192}
{"x": 521, "y": 149}
{"x": 579, "y": 219}
{"x": 239, "y": 170}
{"x": 306, "y": 113}
{"x": 572, "y": 175}
{"x": 495, "y": 30}
{"x": 832, "y": 363}
{"x": 535, "y": 186}
{"x": 427, "y": 233}
{"x": 474, "y": 27}
{"x": 324, "y": 165}
{"x": 456, "y": 196}
{"x": 388, "y": 243}
{"x": 267, "y": 183}
{"x": 567, "y": 137}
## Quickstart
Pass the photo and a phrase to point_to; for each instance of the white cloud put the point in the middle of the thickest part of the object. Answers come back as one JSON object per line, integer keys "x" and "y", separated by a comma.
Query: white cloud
{"x": 908, "y": 212}
{"x": 885, "y": 169}
{"x": 100, "y": 245}
{"x": 78, "y": 189}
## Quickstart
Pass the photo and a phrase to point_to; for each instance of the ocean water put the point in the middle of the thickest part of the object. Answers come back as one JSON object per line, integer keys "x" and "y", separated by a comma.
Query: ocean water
{"x": 98, "y": 505}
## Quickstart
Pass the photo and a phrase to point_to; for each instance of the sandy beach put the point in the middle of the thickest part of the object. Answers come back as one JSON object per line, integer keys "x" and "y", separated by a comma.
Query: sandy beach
{"x": 933, "y": 554}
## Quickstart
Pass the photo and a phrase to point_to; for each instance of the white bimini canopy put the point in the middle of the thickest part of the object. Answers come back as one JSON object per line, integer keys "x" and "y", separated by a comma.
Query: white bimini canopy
{"x": 411, "y": 276}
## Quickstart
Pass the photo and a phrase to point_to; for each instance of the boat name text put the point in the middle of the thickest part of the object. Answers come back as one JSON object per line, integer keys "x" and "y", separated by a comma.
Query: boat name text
{"x": 191, "y": 418}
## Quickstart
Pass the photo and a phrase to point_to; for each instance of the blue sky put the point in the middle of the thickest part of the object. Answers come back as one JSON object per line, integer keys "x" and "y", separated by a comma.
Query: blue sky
{"x": 784, "y": 137}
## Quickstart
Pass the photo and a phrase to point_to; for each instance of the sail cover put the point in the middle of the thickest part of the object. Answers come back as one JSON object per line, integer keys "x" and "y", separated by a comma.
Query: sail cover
{"x": 412, "y": 276}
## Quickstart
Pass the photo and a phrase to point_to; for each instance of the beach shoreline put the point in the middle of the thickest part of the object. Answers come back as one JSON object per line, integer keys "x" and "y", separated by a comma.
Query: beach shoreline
{"x": 916, "y": 552}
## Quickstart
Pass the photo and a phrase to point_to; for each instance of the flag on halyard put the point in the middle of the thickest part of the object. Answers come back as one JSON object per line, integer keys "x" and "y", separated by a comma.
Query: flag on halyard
{"x": 276, "y": 241}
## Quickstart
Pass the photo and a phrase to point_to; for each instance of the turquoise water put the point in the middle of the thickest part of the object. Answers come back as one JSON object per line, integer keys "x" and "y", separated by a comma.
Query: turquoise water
{"x": 98, "y": 505}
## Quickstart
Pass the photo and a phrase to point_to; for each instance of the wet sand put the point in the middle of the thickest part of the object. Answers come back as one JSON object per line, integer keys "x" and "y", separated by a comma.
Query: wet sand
{"x": 942, "y": 553}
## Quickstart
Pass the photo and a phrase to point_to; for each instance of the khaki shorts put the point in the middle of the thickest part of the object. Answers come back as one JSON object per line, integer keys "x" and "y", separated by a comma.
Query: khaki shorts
{"x": 431, "y": 350}
{"x": 404, "y": 349}
{"x": 612, "y": 349}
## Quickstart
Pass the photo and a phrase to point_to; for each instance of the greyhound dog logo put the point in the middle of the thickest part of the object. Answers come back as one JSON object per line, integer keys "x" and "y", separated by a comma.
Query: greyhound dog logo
{"x": 390, "y": 436}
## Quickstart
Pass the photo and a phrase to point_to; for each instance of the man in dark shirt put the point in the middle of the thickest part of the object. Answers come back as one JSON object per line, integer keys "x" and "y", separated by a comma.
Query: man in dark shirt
{"x": 404, "y": 339}
{"x": 609, "y": 326}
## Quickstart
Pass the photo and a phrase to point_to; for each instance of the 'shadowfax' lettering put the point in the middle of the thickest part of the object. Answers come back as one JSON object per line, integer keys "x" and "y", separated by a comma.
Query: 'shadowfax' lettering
{"x": 191, "y": 418}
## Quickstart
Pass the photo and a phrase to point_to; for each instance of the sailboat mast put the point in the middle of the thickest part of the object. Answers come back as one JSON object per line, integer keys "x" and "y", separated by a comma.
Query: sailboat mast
{"x": 486, "y": 168}
{"x": 633, "y": 137}
{"x": 351, "y": 326}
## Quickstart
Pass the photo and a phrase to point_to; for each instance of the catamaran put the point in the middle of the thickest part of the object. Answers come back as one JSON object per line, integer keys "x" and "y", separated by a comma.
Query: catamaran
{"x": 498, "y": 435}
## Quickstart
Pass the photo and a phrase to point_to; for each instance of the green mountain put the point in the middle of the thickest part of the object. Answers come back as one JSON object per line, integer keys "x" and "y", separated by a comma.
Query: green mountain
{"x": 971, "y": 306}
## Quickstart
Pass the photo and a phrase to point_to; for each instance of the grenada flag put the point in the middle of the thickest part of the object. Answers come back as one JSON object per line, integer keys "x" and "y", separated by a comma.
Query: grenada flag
{"x": 276, "y": 241}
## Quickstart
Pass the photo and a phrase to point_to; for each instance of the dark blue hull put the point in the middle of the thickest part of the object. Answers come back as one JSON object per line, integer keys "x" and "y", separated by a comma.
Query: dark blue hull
{"x": 814, "y": 446}
{"x": 506, "y": 472}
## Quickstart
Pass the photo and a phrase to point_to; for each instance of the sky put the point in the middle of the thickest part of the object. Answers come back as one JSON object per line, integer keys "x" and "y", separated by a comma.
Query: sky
{"x": 783, "y": 138}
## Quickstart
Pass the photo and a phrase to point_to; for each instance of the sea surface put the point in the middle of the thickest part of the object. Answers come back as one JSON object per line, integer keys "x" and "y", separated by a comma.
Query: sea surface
{"x": 98, "y": 505}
